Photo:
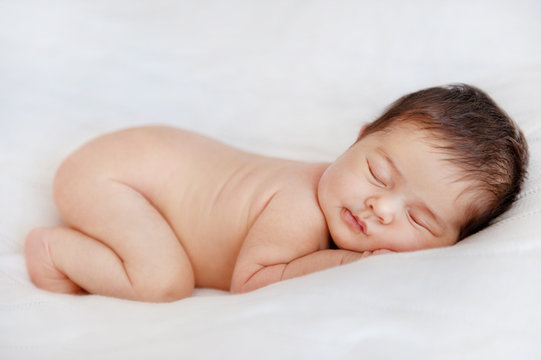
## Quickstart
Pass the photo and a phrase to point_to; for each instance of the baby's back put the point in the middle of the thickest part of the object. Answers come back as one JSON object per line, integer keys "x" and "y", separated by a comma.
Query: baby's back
{"x": 209, "y": 193}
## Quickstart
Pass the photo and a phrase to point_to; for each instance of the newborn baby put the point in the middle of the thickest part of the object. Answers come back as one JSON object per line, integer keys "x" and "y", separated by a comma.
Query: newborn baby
{"x": 152, "y": 212}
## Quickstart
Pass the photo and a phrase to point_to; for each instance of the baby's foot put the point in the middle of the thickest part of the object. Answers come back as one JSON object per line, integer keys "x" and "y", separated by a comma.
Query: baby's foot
{"x": 43, "y": 273}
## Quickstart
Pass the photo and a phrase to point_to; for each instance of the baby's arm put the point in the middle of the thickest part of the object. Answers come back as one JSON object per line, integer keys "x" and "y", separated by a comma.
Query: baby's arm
{"x": 282, "y": 245}
{"x": 258, "y": 275}
{"x": 324, "y": 259}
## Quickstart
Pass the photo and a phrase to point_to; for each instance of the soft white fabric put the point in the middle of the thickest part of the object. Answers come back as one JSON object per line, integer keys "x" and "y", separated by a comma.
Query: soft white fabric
{"x": 292, "y": 78}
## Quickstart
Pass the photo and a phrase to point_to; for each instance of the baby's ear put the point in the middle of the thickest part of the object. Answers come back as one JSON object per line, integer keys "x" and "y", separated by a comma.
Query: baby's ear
{"x": 361, "y": 132}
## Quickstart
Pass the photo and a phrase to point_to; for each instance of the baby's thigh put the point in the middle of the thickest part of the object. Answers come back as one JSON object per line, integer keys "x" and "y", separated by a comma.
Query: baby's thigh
{"x": 95, "y": 193}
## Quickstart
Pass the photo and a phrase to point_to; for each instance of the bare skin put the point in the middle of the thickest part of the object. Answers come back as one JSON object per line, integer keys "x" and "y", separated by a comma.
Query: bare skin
{"x": 150, "y": 213}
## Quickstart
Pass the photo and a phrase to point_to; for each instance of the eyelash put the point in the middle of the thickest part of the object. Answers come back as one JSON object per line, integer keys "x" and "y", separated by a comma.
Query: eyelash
{"x": 374, "y": 177}
{"x": 417, "y": 222}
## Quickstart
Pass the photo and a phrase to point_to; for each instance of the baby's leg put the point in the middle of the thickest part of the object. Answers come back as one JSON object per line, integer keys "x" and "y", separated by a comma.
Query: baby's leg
{"x": 67, "y": 245}
{"x": 119, "y": 244}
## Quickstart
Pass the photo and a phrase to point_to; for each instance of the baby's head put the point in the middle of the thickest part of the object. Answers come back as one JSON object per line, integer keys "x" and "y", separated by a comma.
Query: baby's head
{"x": 437, "y": 166}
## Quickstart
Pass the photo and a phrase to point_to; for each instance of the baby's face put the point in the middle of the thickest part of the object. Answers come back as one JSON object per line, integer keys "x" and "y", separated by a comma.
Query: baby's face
{"x": 393, "y": 191}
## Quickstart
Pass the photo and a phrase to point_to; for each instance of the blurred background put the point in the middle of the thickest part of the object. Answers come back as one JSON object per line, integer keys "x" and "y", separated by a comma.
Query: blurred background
{"x": 218, "y": 66}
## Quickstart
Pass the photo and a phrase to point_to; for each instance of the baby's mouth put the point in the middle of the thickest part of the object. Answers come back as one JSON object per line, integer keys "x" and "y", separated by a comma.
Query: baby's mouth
{"x": 354, "y": 222}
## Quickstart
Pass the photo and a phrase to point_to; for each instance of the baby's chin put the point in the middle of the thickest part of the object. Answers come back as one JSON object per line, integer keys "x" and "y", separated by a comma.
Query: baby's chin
{"x": 344, "y": 246}
{"x": 347, "y": 243}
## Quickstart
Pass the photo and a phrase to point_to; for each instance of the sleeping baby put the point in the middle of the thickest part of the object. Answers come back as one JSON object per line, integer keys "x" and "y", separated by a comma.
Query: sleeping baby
{"x": 152, "y": 212}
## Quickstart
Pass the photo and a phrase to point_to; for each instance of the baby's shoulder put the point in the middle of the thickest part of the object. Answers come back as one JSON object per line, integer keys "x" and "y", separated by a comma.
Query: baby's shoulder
{"x": 295, "y": 208}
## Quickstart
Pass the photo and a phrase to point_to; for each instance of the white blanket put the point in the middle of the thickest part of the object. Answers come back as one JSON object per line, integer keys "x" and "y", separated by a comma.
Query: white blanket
{"x": 291, "y": 78}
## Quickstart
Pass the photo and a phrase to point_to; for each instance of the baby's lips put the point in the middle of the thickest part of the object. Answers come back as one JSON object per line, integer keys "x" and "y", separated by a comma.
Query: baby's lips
{"x": 354, "y": 221}
{"x": 362, "y": 224}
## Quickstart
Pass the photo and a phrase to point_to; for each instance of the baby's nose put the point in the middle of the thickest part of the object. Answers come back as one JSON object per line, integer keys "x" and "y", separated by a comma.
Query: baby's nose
{"x": 384, "y": 208}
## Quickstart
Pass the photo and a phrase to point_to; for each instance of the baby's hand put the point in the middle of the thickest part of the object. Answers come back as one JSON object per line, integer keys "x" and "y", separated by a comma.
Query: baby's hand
{"x": 354, "y": 256}
{"x": 375, "y": 252}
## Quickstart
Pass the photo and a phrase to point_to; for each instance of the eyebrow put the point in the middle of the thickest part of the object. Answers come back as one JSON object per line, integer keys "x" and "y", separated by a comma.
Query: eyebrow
{"x": 439, "y": 222}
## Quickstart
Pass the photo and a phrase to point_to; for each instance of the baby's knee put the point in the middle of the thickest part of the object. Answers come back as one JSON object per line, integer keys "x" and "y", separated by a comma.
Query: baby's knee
{"x": 165, "y": 292}
{"x": 166, "y": 287}
{"x": 174, "y": 292}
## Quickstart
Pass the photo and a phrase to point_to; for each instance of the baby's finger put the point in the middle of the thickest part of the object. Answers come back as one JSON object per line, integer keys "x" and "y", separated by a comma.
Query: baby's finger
{"x": 382, "y": 251}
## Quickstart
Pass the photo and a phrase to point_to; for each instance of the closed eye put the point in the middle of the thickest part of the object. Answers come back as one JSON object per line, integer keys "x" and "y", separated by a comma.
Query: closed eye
{"x": 374, "y": 176}
{"x": 418, "y": 222}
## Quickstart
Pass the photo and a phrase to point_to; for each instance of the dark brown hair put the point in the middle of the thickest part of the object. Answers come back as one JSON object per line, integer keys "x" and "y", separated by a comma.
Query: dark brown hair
{"x": 479, "y": 137}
